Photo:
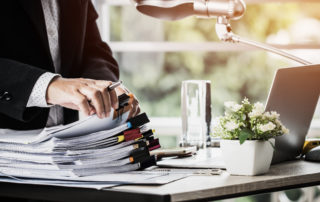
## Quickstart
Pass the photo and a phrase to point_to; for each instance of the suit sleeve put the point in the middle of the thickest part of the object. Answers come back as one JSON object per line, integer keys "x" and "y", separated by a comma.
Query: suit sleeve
{"x": 98, "y": 62}
{"x": 16, "y": 83}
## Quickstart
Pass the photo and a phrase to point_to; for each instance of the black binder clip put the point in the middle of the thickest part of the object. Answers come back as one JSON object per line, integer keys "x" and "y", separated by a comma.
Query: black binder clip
{"x": 148, "y": 162}
{"x": 140, "y": 154}
{"x": 123, "y": 102}
{"x": 138, "y": 120}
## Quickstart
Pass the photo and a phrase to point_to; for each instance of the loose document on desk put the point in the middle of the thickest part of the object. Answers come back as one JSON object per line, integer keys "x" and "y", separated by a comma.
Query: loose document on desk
{"x": 101, "y": 181}
{"x": 43, "y": 147}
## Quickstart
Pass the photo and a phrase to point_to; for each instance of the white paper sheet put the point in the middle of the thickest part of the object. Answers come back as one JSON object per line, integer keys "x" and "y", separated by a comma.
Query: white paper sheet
{"x": 60, "y": 183}
{"x": 16, "y": 136}
{"x": 209, "y": 158}
{"x": 89, "y": 125}
{"x": 157, "y": 178}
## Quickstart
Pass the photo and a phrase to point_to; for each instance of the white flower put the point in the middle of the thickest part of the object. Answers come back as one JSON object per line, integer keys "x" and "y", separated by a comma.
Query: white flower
{"x": 216, "y": 122}
{"x": 266, "y": 115}
{"x": 285, "y": 130}
{"x": 272, "y": 115}
{"x": 245, "y": 101}
{"x": 236, "y": 107}
{"x": 231, "y": 126}
{"x": 257, "y": 110}
{"x": 267, "y": 127}
{"x": 278, "y": 122}
{"x": 232, "y": 106}
{"x": 217, "y": 129}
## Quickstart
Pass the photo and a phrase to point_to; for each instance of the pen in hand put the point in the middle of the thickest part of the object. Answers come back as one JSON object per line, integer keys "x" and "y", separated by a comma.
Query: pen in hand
{"x": 109, "y": 88}
{"x": 114, "y": 85}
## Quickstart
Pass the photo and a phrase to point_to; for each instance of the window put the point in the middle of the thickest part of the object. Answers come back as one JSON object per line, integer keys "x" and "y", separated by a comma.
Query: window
{"x": 155, "y": 56}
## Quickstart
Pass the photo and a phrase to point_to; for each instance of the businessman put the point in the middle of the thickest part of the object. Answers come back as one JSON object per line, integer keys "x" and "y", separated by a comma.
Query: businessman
{"x": 53, "y": 64}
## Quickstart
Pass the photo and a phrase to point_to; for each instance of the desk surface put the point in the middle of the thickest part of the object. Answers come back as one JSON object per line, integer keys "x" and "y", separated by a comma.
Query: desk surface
{"x": 282, "y": 176}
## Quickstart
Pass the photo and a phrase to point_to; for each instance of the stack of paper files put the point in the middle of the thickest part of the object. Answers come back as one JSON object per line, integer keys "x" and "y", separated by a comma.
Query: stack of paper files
{"x": 85, "y": 148}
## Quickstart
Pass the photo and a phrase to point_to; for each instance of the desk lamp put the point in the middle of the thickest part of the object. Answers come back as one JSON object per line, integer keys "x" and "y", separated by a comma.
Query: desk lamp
{"x": 223, "y": 10}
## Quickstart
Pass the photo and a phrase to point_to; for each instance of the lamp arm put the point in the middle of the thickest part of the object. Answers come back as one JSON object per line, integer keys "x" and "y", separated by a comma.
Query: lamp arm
{"x": 225, "y": 34}
{"x": 270, "y": 49}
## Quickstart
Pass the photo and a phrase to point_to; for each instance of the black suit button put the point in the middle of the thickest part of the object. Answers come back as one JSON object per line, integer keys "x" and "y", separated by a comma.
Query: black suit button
{"x": 5, "y": 96}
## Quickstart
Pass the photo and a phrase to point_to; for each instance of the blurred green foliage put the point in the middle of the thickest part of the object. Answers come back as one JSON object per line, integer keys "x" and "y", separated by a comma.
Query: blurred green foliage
{"x": 156, "y": 77}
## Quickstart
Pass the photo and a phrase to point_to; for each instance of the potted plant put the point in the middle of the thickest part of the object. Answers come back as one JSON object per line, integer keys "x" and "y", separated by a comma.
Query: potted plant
{"x": 247, "y": 135}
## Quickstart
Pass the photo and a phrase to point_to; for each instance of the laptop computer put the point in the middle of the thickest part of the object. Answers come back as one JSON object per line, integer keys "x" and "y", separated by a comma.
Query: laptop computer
{"x": 294, "y": 95}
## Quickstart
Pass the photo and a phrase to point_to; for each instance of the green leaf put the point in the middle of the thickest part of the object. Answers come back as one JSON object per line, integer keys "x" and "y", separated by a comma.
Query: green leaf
{"x": 272, "y": 145}
{"x": 243, "y": 137}
{"x": 245, "y": 134}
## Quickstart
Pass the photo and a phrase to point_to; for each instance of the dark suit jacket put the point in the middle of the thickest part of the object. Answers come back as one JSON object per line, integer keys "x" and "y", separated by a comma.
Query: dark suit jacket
{"x": 25, "y": 55}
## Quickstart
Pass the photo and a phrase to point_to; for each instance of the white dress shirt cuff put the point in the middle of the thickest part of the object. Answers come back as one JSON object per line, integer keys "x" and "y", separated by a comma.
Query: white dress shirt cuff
{"x": 38, "y": 94}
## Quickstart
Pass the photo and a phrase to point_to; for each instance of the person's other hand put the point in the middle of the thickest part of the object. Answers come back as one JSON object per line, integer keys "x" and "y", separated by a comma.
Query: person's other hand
{"x": 86, "y": 95}
{"x": 133, "y": 102}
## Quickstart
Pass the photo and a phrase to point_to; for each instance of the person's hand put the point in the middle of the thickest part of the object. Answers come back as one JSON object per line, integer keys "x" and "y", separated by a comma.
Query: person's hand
{"x": 86, "y": 95}
{"x": 133, "y": 102}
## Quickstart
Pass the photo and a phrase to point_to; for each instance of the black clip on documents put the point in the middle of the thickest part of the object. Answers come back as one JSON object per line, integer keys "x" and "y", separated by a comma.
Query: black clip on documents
{"x": 150, "y": 161}
{"x": 140, "y": 154}
{"x": 141, "y": 143}
{"x": 138, "y": 120}
{"x": 123, "y": 102}
{"x": 147, "y": 134}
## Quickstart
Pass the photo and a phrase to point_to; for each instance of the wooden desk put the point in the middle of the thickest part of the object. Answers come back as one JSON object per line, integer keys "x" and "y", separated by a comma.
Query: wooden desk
{"x": 282, "y": 176}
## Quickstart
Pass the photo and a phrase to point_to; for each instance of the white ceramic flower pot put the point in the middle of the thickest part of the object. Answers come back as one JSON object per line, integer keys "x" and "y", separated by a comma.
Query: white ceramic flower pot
{"x": 253, "y": 157}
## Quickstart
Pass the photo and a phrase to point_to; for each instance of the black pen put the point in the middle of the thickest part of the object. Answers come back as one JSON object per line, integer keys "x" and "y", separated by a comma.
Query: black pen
{"x": 114, "y": 85}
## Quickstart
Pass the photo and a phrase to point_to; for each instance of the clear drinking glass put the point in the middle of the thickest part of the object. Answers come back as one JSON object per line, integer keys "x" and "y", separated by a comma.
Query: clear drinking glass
{"x": 195, "y": 113}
